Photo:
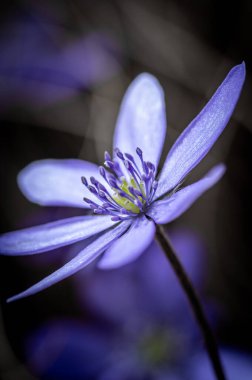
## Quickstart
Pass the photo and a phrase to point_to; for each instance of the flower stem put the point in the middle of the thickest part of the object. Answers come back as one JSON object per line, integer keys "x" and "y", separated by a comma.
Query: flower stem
{"x": 193, "y": 299}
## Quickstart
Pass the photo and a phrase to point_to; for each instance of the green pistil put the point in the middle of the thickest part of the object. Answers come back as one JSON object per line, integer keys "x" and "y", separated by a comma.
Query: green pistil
{"x": 156, "y": 348}
{"x": 126, "y": 203}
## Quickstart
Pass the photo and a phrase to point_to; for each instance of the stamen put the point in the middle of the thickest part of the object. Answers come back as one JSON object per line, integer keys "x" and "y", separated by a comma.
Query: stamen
{"x": 125, "y": 195}
{"x": 99, "y": 211}
{"x": 94, "y": 181}
{"x": 127, "y": 198}
{"x": 153, "y": 190}
{"x": 139, "y": 152}
{"x": 119, "y": 154}
{"x": 151, "y": 166}
{"x": 107, "y": 156}
{"x": 116, "y": 218}
{"x": 101, "y": 187}
{"x": 138, "y": 204}
{"x": 92, "y": 189}
{"x": 102, "y": 195}
{"x": 131, "y": 170}
{"x": 84, "y": 181}
{"x": 102, "y": 172}
{"x": 136, "y": 192}
{"x": 113, "y": 184}
{"x": 129, "y": 157}
{"x": 114, "y": 167}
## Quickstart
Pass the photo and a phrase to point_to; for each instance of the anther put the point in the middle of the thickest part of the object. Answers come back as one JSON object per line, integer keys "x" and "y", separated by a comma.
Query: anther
{"x": 113, "y": 184}
{"x": 151, "y": 166}
{"x": 106, "y": 204}
{"x": 93, "y": 181}
{"x": 119, "y": 153}
{"x": 98, "y": 211}
{"x": 144, "y": 177}
{"x": 107, "y": 156}
{"x": 139, "y": 194}
{"x": 138, "y": 203}
{"x": 101, "y": 187}
{"x": 88, "y": 200}
{"x": 102, "y": 194}
{"x": 129, "y": 157}
{"x": 139, "y": 152}
{"x": 127, "y": 164}
{"x": 155, "y": 185}
{"x": 102, "y": 171}
{"x": 116, "y": 218}
{"x": 84, "y": 181}
{"x": 131, "y": 190}
{"x": 92, "y": 189}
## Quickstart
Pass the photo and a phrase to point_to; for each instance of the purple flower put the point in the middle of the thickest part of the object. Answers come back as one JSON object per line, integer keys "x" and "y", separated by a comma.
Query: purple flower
{"x": 68, "y": 349}
{"x": 127, "y": 196}
{"x": 34, "y": 70}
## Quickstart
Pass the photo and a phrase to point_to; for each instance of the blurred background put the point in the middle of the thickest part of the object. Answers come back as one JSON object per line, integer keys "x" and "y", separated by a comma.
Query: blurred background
{"x": 64, "y": 67}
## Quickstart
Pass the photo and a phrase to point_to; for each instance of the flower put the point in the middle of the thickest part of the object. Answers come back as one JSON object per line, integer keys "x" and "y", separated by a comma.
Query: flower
{"x": 68, "y": 348}
{"x": 127, "y": 198}
{"x": 34, "y": 71}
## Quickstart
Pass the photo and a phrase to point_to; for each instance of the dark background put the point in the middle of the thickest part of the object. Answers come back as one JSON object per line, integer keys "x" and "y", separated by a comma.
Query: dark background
{"x": 190, "y": 46}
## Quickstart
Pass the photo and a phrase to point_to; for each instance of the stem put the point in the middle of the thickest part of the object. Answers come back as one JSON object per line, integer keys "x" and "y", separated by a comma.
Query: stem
{"x": 193, "y": 299}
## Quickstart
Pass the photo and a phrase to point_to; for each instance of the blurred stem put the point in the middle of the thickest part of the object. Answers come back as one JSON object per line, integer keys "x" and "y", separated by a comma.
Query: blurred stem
{"x": 193, "y": 299}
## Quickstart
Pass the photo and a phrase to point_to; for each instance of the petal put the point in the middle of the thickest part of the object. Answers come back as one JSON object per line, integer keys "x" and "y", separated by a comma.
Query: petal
{"x": 142, "y": 121}
{"x": 198, "y": 138}
{"x": 130, "y": 245}
{"x": 57, "y": 182}
{"x": 168, "y": 209}
{"x": 87, "y": 255}
{"x": 52, "y": 235}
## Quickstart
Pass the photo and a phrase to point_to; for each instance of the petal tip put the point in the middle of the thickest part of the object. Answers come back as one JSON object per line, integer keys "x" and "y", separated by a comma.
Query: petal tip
{"x": 103, "y": 265}
{"x": 12, "y": 299}
{"x": 217, "y": 171}
{"x": 24, "y": 180}
{"x": 240, "y": 70}
{"x": 146, "y": 79}
{"x": 20, "y": 178}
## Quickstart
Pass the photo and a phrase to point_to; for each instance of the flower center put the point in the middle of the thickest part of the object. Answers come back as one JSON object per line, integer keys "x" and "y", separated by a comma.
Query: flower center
{"x": 132, "y": 186}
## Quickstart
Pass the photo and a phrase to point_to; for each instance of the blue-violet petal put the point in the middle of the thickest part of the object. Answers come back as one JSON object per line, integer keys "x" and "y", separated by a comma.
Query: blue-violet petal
{"x": 198, "y": 138}
{"x": 54, "y": 182}
{"x": 130, "y": 245}
{"x": 142, "y": 121}
{"x": 168, "y": 209}
{"x": 52, "y": 235}
{"x": 85, "y": 257}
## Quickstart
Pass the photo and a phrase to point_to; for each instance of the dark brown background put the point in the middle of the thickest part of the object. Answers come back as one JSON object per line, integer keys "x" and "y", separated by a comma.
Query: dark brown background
{"x": 189, "y": 46}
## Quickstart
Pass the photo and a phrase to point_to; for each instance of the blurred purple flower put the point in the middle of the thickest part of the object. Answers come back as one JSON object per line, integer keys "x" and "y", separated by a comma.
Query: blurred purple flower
{"x": 238, "y": 366}
{"x": 64, "y": 349}
{"x": 37, "y": 67}
{"x": 67, "y": 349}
{"x": 127, "y": 196}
